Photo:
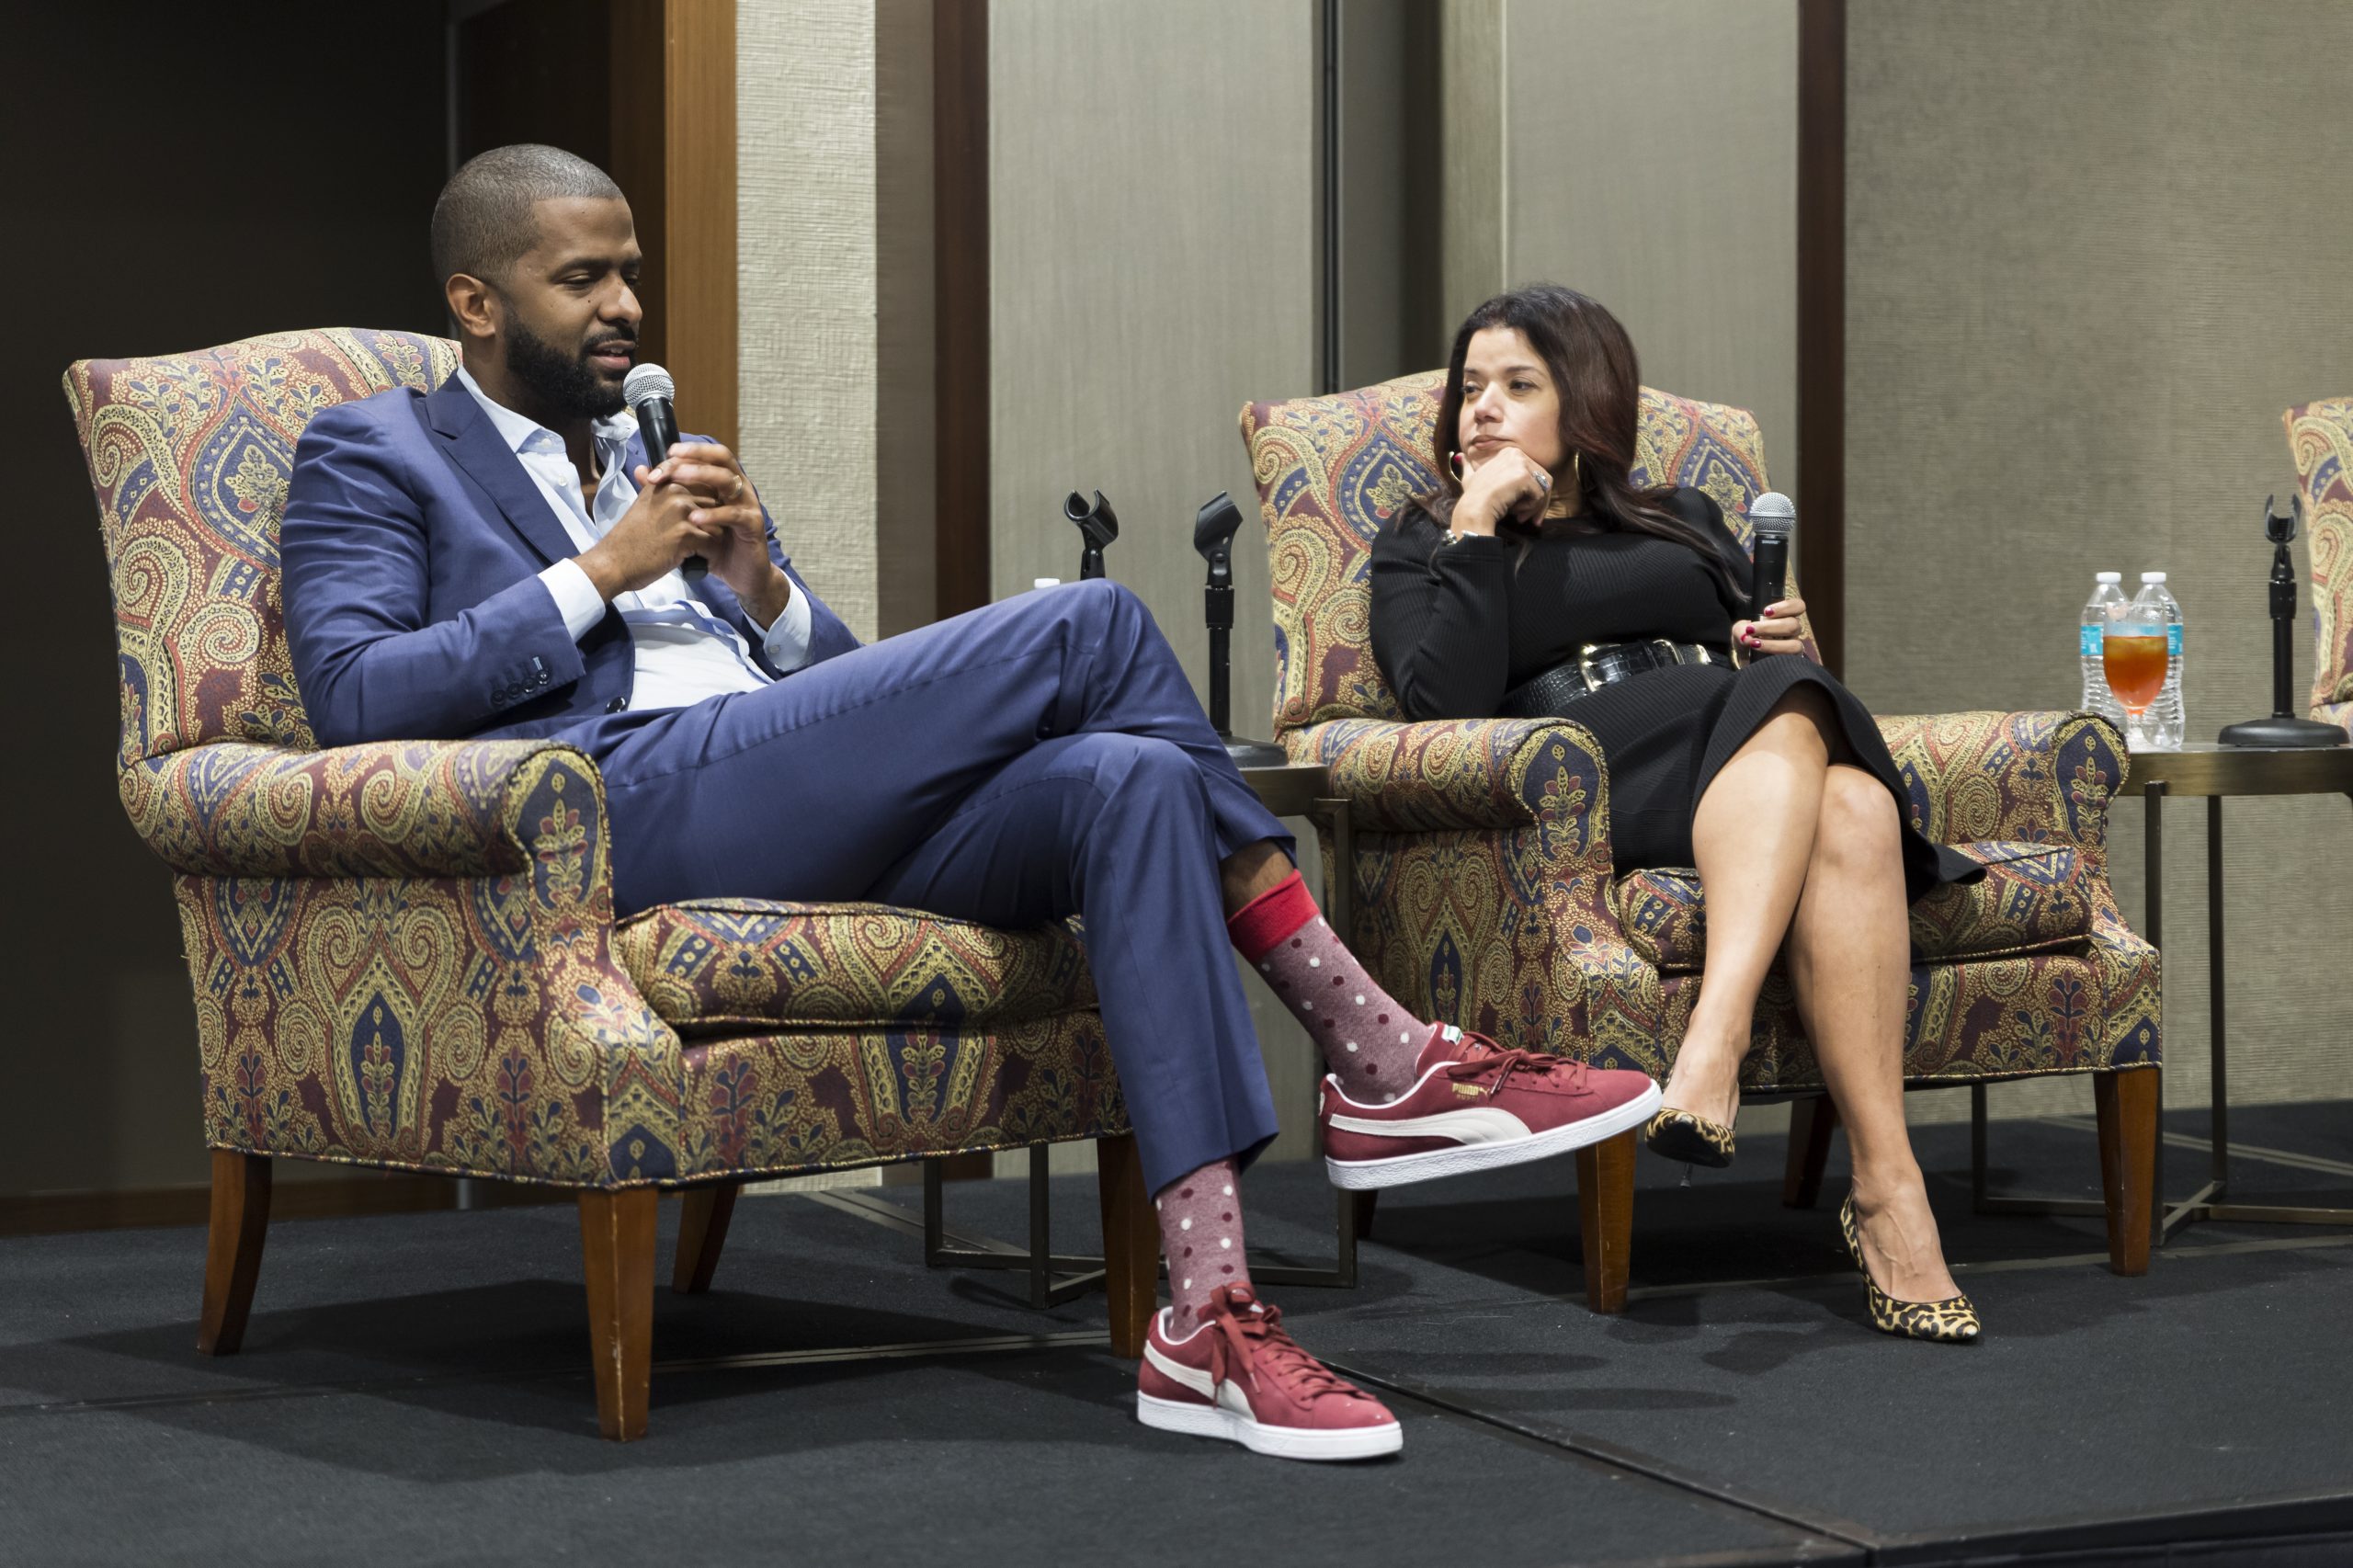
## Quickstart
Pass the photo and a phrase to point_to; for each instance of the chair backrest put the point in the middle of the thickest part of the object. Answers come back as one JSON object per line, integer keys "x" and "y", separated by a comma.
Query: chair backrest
{"x": 190, "y": 455}
{"x": 2319, "y": 435}
{"x": 1330, "y": 471}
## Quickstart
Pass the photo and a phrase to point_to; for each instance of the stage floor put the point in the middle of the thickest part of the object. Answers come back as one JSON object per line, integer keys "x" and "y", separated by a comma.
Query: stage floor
{"x": 414, "y": 1389}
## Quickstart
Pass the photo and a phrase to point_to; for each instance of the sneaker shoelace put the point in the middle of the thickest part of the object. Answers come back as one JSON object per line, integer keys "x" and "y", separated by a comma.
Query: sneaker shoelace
{"x": 1257, "y": 1339}
{"x": 1491, "y": 1057}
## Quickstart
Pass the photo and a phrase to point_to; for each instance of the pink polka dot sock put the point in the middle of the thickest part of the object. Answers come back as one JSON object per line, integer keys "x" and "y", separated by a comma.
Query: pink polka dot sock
{"x": 1200, "y": 1235}
{"x": 1367, "y": 1041}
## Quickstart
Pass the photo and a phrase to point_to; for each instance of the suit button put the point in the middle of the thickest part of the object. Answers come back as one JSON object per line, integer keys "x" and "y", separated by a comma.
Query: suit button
{"x": 616, "y": 704}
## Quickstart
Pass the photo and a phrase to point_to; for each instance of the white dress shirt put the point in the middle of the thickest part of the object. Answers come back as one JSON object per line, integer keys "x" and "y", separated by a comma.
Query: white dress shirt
{"x": 685, "y": 651}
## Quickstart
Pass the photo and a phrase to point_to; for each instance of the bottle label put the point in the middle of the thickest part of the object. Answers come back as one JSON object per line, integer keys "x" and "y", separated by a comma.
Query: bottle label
{"x": 2089, "y": 643}
{"x": 2172, "y": 641}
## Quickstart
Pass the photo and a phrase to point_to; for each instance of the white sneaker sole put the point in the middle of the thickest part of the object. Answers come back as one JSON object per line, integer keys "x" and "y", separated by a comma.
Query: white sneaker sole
{"x": 1402, "y": 1170}
{"x": 1281, "y": 1442}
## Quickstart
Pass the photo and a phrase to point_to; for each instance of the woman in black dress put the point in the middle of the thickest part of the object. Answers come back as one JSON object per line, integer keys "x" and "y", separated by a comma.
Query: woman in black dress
{"x": 1763, "y": 772}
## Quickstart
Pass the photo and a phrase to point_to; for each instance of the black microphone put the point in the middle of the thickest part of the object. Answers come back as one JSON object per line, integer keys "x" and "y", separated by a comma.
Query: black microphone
{"x": 1774, "y": 518}
{"x": 648, "y": 391}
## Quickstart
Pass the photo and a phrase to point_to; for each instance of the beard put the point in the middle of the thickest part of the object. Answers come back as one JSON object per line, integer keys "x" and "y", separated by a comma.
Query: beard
{"x": 562, "y": 379}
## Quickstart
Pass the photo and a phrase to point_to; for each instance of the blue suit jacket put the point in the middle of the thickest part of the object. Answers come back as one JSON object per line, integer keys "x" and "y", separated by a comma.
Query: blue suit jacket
{"x": 412, "y": 547}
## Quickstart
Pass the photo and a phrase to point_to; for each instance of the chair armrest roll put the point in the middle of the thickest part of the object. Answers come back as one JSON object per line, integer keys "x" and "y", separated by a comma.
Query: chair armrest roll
{"x": 1465, "y": 773}
{"x": 2037, "y": 776}
{"x": 392, "y": 808}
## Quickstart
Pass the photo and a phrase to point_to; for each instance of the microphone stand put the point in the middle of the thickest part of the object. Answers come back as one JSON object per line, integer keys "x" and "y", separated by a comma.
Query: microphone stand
{"x": 1097, "y": 526}
{"x": 1213, "y": 530}
{"x": 2283, "y": 729}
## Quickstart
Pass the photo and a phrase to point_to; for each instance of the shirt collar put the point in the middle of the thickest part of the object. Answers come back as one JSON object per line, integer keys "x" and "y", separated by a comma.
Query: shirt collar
{"x": 517, "y": 430}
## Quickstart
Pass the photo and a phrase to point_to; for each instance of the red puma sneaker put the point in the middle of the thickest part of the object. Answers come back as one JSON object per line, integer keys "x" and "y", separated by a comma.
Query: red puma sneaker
{"x": 1238, "y": 1376}
{"x": 1474, "y": 1107}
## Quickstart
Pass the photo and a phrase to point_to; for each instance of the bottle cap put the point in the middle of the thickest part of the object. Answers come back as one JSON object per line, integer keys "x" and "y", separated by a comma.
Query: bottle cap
{"x": 1045, "y": 582}
{"x": 2153, "y": 576}
{"x": 2107, "y": 576}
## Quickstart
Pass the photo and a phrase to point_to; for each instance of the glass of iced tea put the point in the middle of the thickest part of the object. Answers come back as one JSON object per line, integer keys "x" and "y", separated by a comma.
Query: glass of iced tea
{"x": 2133, "y": 653}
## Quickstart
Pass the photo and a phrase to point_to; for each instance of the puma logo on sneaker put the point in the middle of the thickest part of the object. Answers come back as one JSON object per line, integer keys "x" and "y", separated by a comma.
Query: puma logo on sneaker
{"x": 1474, "y": 1106}
{"x": 1240, "y": 1378}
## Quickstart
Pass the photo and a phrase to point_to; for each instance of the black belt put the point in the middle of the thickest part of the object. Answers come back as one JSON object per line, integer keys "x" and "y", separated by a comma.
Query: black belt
{"x": 1598, "y": 664}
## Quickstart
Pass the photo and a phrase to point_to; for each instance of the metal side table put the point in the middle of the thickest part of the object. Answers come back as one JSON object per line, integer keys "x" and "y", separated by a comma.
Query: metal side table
{"x": 1287, "y": 791}
{"x": 2214, "y": 772}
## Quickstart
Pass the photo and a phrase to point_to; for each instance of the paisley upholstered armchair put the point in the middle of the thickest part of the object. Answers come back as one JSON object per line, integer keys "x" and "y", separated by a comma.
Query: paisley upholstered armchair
{"x": 1485, "y": 891}
{"x": 2320, "y": 437}
{"x": 404, "y": 954}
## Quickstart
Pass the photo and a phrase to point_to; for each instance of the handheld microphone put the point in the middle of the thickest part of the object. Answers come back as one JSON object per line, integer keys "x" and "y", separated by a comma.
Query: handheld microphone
{"x": 648, "y": 389}
{"x": 1774, "y": 518}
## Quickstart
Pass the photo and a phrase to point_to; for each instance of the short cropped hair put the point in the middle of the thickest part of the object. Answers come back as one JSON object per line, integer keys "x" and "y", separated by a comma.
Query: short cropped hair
{"x": 482, "y": 224}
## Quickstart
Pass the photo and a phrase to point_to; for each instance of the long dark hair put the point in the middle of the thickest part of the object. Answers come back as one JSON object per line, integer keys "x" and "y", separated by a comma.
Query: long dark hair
{"x": 1600, "y": 386}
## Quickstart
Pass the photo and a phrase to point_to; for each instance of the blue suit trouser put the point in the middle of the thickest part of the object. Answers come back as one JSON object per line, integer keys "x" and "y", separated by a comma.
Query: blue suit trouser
{"x": 1033, "y": 759}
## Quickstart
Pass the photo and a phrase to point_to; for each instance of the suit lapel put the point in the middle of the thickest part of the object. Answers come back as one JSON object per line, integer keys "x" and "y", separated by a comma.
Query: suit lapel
{"x": 474, "y": 445}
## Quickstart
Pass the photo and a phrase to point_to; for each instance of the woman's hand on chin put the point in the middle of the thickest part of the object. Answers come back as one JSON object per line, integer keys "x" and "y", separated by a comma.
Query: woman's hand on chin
{"x": 1778, "y": 632}
{"x": 1507, "y": 483}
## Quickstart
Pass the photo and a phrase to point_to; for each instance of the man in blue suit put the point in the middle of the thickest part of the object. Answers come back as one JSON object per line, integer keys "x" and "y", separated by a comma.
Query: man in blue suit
{"x": 502, "y": 557}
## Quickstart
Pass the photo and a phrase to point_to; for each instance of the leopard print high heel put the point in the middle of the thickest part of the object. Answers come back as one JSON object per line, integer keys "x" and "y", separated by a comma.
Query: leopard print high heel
{"x": 1694, "y": 1140}
{"x": 1950, "y": 1322}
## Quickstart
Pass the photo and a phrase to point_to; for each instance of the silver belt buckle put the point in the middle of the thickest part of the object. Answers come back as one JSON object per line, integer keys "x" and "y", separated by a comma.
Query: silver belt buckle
{"x": 1674, "y": 654}
{"x": 1584, "y": 666}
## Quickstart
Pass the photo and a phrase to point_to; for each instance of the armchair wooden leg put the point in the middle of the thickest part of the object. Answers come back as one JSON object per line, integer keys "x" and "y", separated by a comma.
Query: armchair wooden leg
{"x": 703, "y": 1214}
{"x": 1130, "y": 1243}
{"x": 616, "y": 1251}
{"x": 1606, "y": 1208}
{"x": 1811, "y": 1124}
{"x": 2127, "y": 1102}
{"x": 232, "y": 1248}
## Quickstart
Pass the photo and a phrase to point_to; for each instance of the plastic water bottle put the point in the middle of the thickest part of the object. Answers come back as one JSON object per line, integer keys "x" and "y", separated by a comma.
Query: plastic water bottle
{"x": 2106, "y": 604}
{"x": 2167, "y": 721}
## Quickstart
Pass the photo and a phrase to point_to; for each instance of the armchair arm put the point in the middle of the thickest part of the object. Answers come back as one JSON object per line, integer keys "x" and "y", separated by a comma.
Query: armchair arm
{"x": 2039, "y": 777}
{"x": 1465, "y": 773}
{"x": 383, "y": 809}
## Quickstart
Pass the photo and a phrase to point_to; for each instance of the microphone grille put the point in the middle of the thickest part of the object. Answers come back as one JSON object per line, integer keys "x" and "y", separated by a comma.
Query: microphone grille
{"x": 647, "y": 381}
{"x": 1773, "y": 512}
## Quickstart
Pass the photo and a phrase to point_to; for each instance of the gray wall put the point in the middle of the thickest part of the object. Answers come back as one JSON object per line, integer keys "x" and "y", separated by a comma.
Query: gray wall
{"x": 2092, "y": 254}
{"x": 1152, "y": 256}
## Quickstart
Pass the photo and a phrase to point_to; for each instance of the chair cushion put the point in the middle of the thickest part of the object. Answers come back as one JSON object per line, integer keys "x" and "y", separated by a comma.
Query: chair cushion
{"x": 2032, "y": 899}
{"x": 722, "y": 965}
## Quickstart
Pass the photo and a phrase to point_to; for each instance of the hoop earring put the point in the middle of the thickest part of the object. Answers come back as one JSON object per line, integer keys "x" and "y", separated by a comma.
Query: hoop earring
{"x": 1455, "y": 462}
{"x": 1559, "y": 504}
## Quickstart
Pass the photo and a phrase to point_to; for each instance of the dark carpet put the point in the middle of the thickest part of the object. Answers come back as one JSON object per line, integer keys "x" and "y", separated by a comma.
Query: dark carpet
{"x": 414, "y": 1389}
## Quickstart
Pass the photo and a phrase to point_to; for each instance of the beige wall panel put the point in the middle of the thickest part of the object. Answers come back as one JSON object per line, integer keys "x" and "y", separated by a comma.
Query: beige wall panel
{"x": 2089, "y": 261}
{"x": 1470, "y": 179}
{"x": 1152, "y": 260}
{"x": 1650, "y": 162}
{"x": 806, "y": 234}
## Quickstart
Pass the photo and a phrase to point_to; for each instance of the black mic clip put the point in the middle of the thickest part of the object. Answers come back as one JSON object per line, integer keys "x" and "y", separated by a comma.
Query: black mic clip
{"x": 1214, "y": 526}
{"x": 1097, "y": 526}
